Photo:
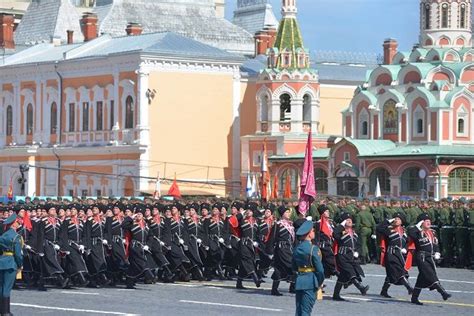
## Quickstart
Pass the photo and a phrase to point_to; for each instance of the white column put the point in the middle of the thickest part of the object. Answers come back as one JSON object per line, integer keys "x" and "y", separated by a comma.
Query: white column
{"x": 16, "y": 112}
{"x": 408, "y": 126}
{"x": 236, "y": 96}
{"x": 297, "y": 116}
{"x": 3, "y": 113}
{"x": 275, "y": 116}
{"x": 395, "y": 186}
{"x": 143, "y": 127}
{"x": 31, "y": 183}
{"x": 45, "y": 133}
{"x": 428, "y": 120}
{"x": 37, "y": 112}
{"x": 332, "y": 186}
{"x": 315, "y": 116}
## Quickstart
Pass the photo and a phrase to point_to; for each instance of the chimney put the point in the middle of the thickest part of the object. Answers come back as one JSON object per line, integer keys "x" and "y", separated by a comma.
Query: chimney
{"x": 134, "y": 29}
{"x": 390, "y": 47}
{"x": 264, "y": 40}
{"x": 89, "y": 26}
{"x": 7, "y": 24}
{"x": 70, "y": 36}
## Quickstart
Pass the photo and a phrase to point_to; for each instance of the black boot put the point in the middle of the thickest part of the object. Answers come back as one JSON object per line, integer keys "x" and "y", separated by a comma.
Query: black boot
{"x": 220, "y": 273}
{"x": 2, "y": 306}
{"x": 41, "y": 286}
{"x": 130, "y": 283}
{"x": 7, "y": 306}
{"x": 442, "y": 291}
{"x": 336, "y": 296}
{"x": 62, "y": 281}
{"x": 255, "y": 279}
{"x": 197, "y": 273}
{"x": 185, "y": 277}
{"x": 82, "y": 279}
{"x": 415, "y": 295}
{"x": 292, "y": 288}
{"x": 407, "y": 284}
{"x": 239, "y": 284}
{"x": 363, "y": 289}
{"x": 275, "y": 291}
{"x": 103, "y": 280}
{"x": 168, "y": 276}
{"x": 384, "y": 291}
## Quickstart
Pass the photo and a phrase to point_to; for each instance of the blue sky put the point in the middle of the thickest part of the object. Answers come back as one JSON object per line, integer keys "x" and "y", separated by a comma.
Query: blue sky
{"x": 353, "y": 25}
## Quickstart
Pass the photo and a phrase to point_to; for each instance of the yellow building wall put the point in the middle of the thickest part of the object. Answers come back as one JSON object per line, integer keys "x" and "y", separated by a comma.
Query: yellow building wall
{"x": 191, "y": 129}
{"x": 334, "y": 99}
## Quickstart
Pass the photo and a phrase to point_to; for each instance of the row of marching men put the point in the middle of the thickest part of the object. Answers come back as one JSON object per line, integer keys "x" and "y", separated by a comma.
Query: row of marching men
{"x": 98, "y": 245}
{"x": 104, "y": 245}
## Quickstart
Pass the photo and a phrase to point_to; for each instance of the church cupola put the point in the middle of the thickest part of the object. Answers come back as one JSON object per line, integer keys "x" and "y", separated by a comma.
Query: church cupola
{"x": 445, "y": 23}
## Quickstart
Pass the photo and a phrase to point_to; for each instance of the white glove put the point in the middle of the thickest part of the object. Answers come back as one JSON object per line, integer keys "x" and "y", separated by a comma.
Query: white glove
{"x": 162, "y": 243}
{"x": 344, "y": 222}
{"x": 56, "y": 247}
{"x": 419, "y": 224}
{"x": 373, "y": 237}
{"x": 255, "y": 244}
{"x": 221, "y": 240}
{"x": 146, "y": 248}
{"x": 181, "y": 241}
{"x": 41, "y": 254}
{"x": 391, "y": 220}
{"x": 437, "y": 256}
{"x": 105, "y": 242}
{"x": 356, "y": 254}
{"x": 404, "y": 251}
{"x": 199, "y": 241}
{"x": 27, "y": 247}
{"x": 309, "y": 218}
{"x": 81, "y": 248}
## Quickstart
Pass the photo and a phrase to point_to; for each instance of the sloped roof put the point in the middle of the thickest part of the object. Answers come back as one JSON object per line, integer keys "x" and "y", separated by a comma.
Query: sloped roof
{"x": 322, "y": 153}
{"x": 161, "y": 44}
{"x": 195, "y": 19}
{"x": 46, "y": 19}
{"x": 367, "y": 147}
{"x": 254, "y": 15}
{"x": 426, "y": 150}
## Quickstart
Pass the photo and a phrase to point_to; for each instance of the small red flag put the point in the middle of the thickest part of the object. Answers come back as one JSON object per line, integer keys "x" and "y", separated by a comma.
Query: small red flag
{"x": 287, "y": 193}
{"x": 275, "y": 188}
{"x": 174, "y": 189}
{"x": 10, "y": 191}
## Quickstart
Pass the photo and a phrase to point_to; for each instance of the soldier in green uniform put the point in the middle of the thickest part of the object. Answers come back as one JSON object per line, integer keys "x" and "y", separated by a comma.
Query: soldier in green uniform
{"x": 447, "y": 234}
{"x": 471, "y": 232}
{"x": 366, "y": 231}
{"x": 310, "y": 276}
{"x": 461, "y": 233}
{"x": 11, "y": 260}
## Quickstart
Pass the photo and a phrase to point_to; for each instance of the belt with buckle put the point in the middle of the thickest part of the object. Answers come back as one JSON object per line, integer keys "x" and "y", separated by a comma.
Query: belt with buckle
{"x": 7, "y": 253}
{"x": 305, "y": 270}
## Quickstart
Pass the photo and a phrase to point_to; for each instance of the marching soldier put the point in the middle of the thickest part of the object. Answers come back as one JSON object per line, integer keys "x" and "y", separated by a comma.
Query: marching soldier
{"x": 447, "y": 234}
{"x": 427, "y": 251}
{"x": 471, "y": 232}
{"x": 348, "y": 248}
{"x": 117, "y": 261}
{"x": 325, "y": 241}
{"x": 283, "y": 239}
{"x": 367, "y": 231}
{"x": 396, "y": 255}
{"x": 461, "y": 219}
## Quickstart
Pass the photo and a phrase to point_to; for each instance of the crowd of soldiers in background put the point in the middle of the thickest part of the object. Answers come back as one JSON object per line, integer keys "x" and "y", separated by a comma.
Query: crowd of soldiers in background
{"x": 105, "y": 242}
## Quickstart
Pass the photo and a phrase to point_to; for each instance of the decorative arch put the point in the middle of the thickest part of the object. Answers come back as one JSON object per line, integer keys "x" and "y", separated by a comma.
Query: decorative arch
{"x": 284, "y": 88}
{"x": 377, "y": 73}
{"x": 411, "y": 182}
{"x": 467, "y": 74}
{"x": 409, "y": 73}
{"x": 441, "y": 73}
{"x": 28, "y": 111}
{"x": 128, "y": 91}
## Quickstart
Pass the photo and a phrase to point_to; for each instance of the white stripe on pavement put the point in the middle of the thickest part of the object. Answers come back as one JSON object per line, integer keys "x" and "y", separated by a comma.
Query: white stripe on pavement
{"x": 89, "y": 311}
{"x": 443, "y": 280}
{"x": 232, "y": 305}
{"x": 80, "y": 293}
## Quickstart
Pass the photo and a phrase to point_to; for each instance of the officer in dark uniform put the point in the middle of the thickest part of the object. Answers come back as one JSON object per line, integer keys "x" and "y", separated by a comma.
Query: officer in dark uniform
{"x": 427, "y": 251}
{"x": 310, "y": 271}
{"x": 11, "y": 260}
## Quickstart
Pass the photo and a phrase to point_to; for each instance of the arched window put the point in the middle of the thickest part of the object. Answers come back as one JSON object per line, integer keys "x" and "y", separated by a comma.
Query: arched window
{"x": 384, "y": 179}
{"x": 390, "y": 117}
{"x": 427, "y": 16}
{"x": 72, "y": 117}
{"x": 129, "y": 112}
{"x": 9, "y": 120}
{"x": 444, "y": 15}
{"x": 461, "y": 181}
{"x": 85, "y": 116}
{"x": 461, "y": 126}
{"x": 264, "y": 108}
{"x": 292, "y": 175}
{"x": 321, "y": 179}
{"x": 419, "y": 126}
{"x": 462, "y": 17}
{"x": 411, "y": 182}
{"x": 285, "y": 107}
{"x": 54, "y": 118}
{"x": 365, "y": 128}
{"x": 307, "y": 108}
{"x": 29, "y": 119}
{"x": 99, "y": 117}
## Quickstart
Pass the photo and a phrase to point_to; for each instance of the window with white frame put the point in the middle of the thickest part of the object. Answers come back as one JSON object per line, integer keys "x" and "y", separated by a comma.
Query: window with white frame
{"x": 363, "y": 124}
{"x": 264, "y": 108}
{"x": 347, "y": 156}
{"x": 258, "y": 156}
{"x": 419, "y": 122}
{"x": 307, "y": 108}
{"x": 462, "y": 123}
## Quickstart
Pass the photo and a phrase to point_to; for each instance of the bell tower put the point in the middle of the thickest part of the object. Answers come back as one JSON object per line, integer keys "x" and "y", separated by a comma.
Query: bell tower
{"x": 445, "y": 23}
